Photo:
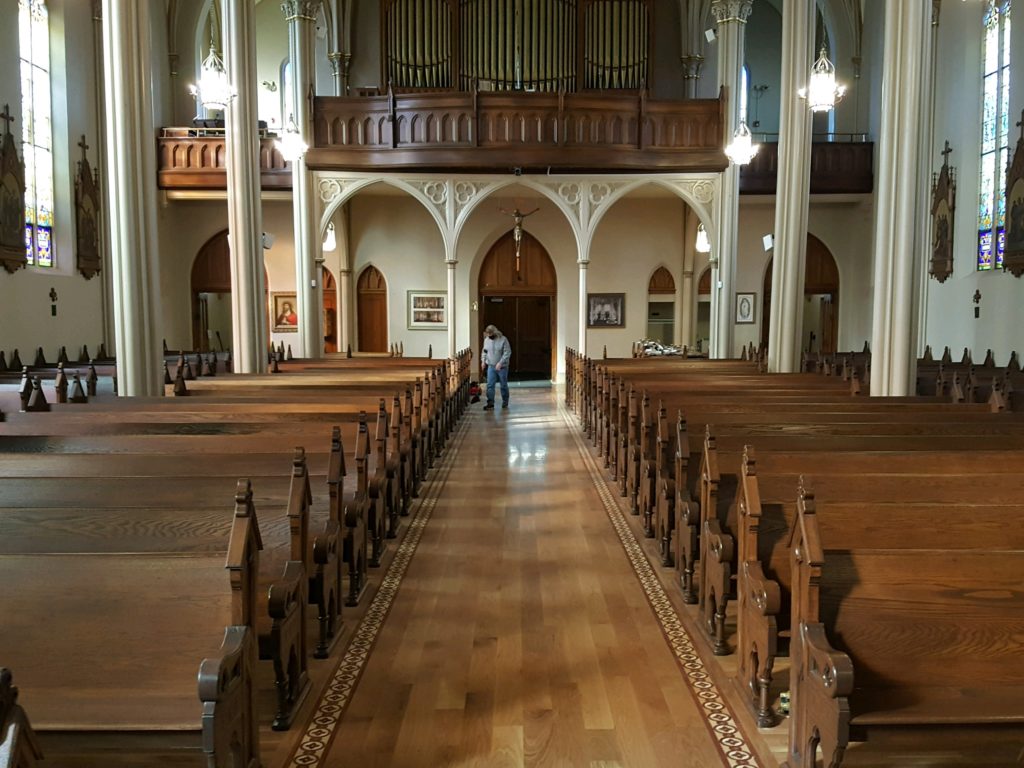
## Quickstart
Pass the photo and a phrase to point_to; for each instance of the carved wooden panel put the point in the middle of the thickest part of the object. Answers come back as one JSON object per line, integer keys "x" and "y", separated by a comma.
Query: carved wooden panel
{"x": 704, "y": 283}
{"x": 87, "y": 217}
{"x": 662, "y": 282}
{"x": 942, "y": 209}
{"x": 186, "y": 161}
{"x": 836, "y": 168}
{"x": 12, "y": 200}
{"x": 371, "y": 280}
{"x": 1013, "y": 255}
{"x": 535, "y": 274}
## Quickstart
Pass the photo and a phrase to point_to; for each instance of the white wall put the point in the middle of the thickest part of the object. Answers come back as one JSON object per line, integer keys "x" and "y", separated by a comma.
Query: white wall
{"x": 958, "y": 103}
{"x": 25, "y": 318}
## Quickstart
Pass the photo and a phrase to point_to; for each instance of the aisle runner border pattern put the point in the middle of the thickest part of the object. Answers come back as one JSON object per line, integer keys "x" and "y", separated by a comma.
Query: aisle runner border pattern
{"x": 717, "y": 716}
{"x": 323, "y": 726}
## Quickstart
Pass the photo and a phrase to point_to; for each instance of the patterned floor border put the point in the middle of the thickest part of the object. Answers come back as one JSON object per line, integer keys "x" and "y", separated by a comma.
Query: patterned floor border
{"x": 718, "y": 716}
{"x": 323, "y": 726}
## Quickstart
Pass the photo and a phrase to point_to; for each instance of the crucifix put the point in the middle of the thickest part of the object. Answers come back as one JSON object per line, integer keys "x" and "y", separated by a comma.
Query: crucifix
{"x": 946, "y": 153}
{"x": 517, "y": 229}
{"x": 84, "y": 147}
{"x": 8, "y": 118}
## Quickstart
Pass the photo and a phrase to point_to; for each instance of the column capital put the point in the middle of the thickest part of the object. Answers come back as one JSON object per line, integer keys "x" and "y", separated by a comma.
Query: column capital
{"x": 300, "y": 9}
{"x": 692, "y": 66}
{"x": 451, "y": 263}
{"x": 582, "y": 263}
{"x": 731, "y": 10}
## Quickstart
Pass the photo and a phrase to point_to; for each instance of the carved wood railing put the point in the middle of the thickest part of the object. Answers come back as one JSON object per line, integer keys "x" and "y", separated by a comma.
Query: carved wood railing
{"x": 190, "y": 161}
{"x": 503, "y": 131}
{"x": 836, "y": 168}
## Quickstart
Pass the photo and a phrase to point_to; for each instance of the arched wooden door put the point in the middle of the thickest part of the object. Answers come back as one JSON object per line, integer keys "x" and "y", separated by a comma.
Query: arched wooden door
{"x": 821, "y": 294}
{"x": 211, "y": 295}
{"x": 517, "y": 294}
{"x": 372, "y": 310}
{"x": 661, "y": 306}
{"x": 330, "y": 290}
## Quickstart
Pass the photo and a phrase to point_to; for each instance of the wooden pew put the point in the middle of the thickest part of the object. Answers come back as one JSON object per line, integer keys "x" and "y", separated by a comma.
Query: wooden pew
{"x": 928, "y": 517}
{"x": 112, "y": 669}
{"x": 887, "y": 640}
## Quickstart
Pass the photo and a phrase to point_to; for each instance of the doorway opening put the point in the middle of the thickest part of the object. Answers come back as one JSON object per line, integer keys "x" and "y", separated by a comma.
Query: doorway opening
{"x": 330, "y": 290}
{"x": 661, "y": 306}
{"x": 517, "y": 295}
{"x": 821, "y": 300}
{"x": 372, "y": 310}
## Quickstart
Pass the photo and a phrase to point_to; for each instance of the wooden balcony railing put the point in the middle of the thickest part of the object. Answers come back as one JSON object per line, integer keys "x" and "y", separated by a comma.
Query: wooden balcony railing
{"x": 191, "y": 159}
{"x": 837, "y": 167}
{"x": 529, "y": 131}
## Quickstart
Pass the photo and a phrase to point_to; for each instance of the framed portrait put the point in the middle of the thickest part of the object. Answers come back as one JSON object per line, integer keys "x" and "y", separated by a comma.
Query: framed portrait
{"x": 286, "y": 317}
{"x": 606, "y": 310}
{"x": 746, "y": 305}
{"x": 428, "y": 310}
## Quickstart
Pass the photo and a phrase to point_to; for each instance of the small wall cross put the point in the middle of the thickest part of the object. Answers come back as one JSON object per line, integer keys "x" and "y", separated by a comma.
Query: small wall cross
{"x": 85, "y": 147}
{"x": 946, "y": 152}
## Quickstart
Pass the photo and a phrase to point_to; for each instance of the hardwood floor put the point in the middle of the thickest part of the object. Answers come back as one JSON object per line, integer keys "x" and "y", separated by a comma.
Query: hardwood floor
{"x": 520, "y": 635}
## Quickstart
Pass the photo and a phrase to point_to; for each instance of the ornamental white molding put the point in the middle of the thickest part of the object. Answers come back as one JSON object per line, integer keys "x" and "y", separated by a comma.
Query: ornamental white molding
{"x": 731, "y": 10}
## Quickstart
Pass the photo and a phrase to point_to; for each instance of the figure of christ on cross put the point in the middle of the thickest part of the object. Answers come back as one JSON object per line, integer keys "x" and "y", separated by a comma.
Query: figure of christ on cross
{"x": 517, "y": 229}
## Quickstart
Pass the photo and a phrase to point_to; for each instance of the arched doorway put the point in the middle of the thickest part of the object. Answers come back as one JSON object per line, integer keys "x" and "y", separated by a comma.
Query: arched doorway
{"x": 211, "y": 295}
{"x": 821, "y": 300}
{"x": 330, "y": 290}
{"x": 372, "y": 310}
{"x": 703, "y": 327}
{"x": 517, "y": 294}
{"x": 661, "y": 306}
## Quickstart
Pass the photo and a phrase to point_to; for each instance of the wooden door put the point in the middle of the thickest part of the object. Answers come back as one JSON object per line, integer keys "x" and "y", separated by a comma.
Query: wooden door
{"x": 211, "y": 273}
{"x": 532, "y": 343}
{"x": 330, "y": 290}
{"x": 372, "y": 311}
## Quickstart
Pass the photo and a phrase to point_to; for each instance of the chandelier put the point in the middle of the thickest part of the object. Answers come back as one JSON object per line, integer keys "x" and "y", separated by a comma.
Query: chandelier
{"x": 703, "y": 243}
{"x": 290, "y": 145}
{"x": 822, "y": 93}
{"x": 741, "y": 149}
{"x": 214, "y": 91}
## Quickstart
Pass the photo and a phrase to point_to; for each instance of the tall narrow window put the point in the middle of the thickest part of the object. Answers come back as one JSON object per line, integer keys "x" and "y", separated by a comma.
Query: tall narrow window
{"x": 37, "y": 143}
{"x": 995, "y": 133}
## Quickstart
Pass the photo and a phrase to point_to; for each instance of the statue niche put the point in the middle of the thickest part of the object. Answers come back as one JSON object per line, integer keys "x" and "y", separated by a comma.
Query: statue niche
{"x": 12, "y": 200}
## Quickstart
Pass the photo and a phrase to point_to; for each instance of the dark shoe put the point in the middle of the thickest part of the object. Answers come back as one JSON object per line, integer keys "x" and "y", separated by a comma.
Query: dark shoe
{"x": 504, "y": 405}
{"x": 489, "y": 407}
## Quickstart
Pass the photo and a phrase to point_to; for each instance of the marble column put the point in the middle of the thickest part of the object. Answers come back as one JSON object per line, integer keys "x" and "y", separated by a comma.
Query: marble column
{"x": 245, "y": 214}
{"x": 731, "y": 16}
{"x": 582, "y": 345}
{"x": 130, "y": 188}
{"x": 901, "y": 196}
{"x": 793, "y": 191}
{"x": 106, "y": 277}
{"x": 684, "y": 296}
{"x": 346, "y": 286}
{"x": 301, "y": 18}
{"x": 452, "y": 306}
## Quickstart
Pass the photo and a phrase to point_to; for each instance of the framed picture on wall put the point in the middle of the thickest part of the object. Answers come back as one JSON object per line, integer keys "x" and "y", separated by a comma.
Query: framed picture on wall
{"x": 286, "y": 318}
{"x": 428, "y": 310}
{"x": 745, "y": 307}
{"x": 606, "y": 310}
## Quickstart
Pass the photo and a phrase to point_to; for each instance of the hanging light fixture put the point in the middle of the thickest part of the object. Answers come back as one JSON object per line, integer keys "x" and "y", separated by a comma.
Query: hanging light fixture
{"x": 331, "y": 241}
{"x": 290, "y": 145}
{"x": 214, "y": 91}
{"x": 822, "y": 93}
{"x": 703, "y": 244}
{"x": 741, "y": 149}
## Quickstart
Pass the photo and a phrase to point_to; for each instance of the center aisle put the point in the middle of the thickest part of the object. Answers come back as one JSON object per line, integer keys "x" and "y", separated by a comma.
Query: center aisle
{"x": 520, "y": 634}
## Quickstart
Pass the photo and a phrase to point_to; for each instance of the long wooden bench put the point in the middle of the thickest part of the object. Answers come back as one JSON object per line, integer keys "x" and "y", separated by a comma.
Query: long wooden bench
{"x": 891, "y": 640}
{"x": 112, "y": 668}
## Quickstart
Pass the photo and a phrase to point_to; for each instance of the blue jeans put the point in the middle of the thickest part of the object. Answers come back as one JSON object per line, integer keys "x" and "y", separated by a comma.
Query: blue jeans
{"x": 494, "y": 376}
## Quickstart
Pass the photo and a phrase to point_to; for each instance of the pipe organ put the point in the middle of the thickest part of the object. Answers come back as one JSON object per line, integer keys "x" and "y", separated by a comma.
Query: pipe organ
{"x": 516, "y": 45}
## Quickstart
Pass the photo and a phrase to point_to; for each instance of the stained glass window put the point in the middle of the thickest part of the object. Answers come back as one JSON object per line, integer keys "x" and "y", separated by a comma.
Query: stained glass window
{"x": 37, "y": 139}
{"x": 995, "y": 134}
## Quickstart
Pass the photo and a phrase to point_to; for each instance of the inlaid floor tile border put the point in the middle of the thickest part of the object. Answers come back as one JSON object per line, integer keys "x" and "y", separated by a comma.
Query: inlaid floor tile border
{"x": 718, "y": 717}
{"x": 323, "y": 725}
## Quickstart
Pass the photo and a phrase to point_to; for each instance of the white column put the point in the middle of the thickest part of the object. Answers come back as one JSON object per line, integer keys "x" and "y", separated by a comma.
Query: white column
{"x": 582, "y": 346}
{"x": 106, "y": 276}
{"x": 301, "y": 17}
{"x": 901, "y": 196}
{"x": 452, "y": 307}
{"x": 684, "y": 295}
{"x": 347, "y": 293}
{"x": 130, "y": 185}
{"x": 731, "y": 16}
{"x": 245, "y": 215}
{"x": 793, "y": 191}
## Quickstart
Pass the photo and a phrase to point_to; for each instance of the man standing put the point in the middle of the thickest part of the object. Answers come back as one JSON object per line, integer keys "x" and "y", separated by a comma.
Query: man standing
{"x": 496, "y": 355}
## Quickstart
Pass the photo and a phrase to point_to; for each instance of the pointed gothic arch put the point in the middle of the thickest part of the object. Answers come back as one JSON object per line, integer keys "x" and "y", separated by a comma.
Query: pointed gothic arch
{"x": 821, "y": 287}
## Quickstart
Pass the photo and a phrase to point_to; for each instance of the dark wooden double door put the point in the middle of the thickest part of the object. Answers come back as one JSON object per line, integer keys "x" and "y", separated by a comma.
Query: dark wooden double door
{"x": 527, "y": 322}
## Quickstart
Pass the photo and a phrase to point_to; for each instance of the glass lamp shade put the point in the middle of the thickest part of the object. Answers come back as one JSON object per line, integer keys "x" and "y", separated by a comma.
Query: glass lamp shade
{"x": 822, "y": 92}
{"x": 331, "y": 241}
{"x": 213, "y": 91}
{"x": 741, "y": 149}
{"x": 703, "y": 244}
{"x": 290, "y": 145}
